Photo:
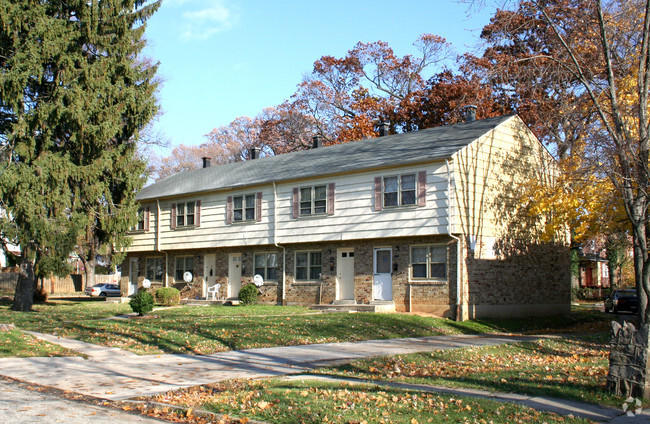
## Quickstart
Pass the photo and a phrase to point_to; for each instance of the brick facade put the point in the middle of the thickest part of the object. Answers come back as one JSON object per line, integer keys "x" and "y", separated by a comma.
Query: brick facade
{"x": 529, "y": 281}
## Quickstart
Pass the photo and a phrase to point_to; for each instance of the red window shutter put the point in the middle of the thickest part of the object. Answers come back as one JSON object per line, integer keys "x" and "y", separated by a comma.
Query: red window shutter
{"x": 295, "y": 202}
{"x": 173, "y": 223}
{"x": 258, "y": 206}
{"x": 229, "y": 210}
{"x": 330, "y": 198}
{"x": 147, "y": 212}
{"x": 197, "y": 214}
{"x": 422, "y": 188}
{"x": 378, "y": 201}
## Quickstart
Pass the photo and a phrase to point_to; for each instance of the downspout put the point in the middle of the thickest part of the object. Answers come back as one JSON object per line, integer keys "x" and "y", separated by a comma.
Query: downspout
{"x": 275, "y": 242}
{"x": 459, "y": 311}
{"x": 165, "y": 283}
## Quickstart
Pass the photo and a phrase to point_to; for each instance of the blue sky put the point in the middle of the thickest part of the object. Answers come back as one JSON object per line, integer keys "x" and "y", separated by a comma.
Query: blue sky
{"x": 221, "y": 59}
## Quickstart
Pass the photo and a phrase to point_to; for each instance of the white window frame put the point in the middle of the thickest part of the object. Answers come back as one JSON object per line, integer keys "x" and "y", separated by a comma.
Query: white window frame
{"x": 154, "y": 259}
{"x": 400, "y": 191}
{"x": 265, "y": 272}
{"x": 311, "y": 203}
{"x": 309, "y": 265}
{"x": 428, "y": 263}
{"x": 244, "y": 209}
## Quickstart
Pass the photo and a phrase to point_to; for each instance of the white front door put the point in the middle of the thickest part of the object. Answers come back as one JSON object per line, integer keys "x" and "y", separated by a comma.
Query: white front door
{"x": 134, "y": 273}
{"x": 234, "y": 274}
{"x": 345, "y": 274}
{"x": 209, "y": 277}
{"x": 383, "y": 281}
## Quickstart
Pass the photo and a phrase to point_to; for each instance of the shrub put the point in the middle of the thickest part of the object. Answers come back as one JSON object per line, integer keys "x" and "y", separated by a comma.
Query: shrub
{"x": 248, "y": 294}
{"x": 168, "y": 296}
{"x": 142, "y": 302}
{"x": 40, "y": 295}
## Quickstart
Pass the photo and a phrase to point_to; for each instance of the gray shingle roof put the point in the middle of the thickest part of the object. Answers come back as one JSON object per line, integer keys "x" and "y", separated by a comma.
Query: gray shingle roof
{"x": 399, "y": 149}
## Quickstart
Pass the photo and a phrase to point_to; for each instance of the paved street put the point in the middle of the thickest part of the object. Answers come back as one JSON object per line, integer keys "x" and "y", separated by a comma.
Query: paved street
{"x": 19, "y": 405}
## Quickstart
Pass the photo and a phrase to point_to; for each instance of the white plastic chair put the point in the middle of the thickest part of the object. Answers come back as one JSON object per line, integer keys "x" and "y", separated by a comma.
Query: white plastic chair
{"x": 214, "y": 292}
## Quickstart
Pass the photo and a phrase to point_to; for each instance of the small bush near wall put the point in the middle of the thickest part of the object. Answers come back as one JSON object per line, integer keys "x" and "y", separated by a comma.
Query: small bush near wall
{"x": 168, "y": 296}
{"x": 248, "y": 294}
{"x": 142, "y": 303}
{"x": 589, "y": 293}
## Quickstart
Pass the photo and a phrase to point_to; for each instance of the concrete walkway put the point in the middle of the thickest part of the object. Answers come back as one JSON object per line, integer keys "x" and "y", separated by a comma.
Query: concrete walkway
{"x": 115, "y": 374}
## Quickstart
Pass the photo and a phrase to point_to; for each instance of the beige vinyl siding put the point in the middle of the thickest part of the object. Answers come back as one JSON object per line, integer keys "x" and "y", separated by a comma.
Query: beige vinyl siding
{"x": 354, "y": 216}
{"x": 214, "y": 232}
{"x": 490, "y": 176}
{"x": 145, "y": 241}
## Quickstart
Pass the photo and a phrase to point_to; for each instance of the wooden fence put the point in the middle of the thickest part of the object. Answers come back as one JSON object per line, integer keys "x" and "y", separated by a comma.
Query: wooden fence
{"x": 70, "y": 284}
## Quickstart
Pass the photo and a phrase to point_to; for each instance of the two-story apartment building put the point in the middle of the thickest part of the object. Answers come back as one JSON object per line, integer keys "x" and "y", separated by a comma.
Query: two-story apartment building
{"x": 429, "y": 221}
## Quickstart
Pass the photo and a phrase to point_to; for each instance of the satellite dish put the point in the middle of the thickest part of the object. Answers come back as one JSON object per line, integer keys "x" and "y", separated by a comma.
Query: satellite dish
{"x": 258, "y": 280}
{"x": 146, "y": 283}
{"x": 187, "y": 276}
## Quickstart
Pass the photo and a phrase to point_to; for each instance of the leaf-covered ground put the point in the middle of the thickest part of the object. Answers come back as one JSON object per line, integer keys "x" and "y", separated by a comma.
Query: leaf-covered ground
{"x": 559, "y": 367}
{"x": 14, "y": 343}
{"x": 281, "y": 401}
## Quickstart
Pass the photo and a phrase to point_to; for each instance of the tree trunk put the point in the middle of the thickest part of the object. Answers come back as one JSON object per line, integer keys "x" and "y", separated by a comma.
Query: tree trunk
{"x": 24, "y": 297}
{"x": 89, "y": 269}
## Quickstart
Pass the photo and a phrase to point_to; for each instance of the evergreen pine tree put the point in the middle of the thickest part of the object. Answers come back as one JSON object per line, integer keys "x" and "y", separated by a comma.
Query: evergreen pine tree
{"x": 73, "y": 96}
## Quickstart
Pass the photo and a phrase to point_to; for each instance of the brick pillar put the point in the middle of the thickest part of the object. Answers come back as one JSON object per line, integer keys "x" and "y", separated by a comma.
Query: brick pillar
{"x": 628, "y": 361}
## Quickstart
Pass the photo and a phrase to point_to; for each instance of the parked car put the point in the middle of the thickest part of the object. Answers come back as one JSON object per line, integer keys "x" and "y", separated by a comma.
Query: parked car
{"x": 104, "y": 290}
{"x": 622, "y": 300}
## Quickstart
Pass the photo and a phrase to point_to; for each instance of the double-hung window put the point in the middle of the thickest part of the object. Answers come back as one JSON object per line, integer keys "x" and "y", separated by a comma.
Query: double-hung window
{"x": 184, "y": 264}
{"x": 143, "y": 220}
{"x": 186, "y": 214}
{"x": 266, "y": 265}
{"x": 309, "y": 265}
{"x": 399, "y": 190}
{"x": 313, "y": 200}
{"x": 154, "y": 269}
{"x": 243, "y": 208}
{"x": 429, "y": 262}
{"x": 403, "y": 190}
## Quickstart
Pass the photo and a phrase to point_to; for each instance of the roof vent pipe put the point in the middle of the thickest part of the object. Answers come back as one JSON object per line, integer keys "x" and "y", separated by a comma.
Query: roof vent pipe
{"x": 317, "y": 142}
{"x": 470, "y": 113}
{"x": 383, "y": 129}
{"x": 206, "y": 161}
{"x": 255, "y": 152}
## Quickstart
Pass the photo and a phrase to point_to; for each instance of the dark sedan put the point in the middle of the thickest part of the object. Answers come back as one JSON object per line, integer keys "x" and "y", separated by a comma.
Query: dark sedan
{"x": 622, "y": 300}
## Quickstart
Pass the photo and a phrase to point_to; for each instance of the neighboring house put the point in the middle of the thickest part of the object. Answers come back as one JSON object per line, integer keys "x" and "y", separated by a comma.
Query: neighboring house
{"x": 428, "y": 221}
{"x": 593, "y": 264}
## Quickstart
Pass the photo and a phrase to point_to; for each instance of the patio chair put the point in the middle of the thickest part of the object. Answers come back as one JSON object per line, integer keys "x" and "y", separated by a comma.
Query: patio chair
{"x": 213, "y": 292}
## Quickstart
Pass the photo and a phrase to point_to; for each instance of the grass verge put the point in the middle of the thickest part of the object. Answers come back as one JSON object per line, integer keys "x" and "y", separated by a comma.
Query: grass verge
{"x": 308, "y": 401}
{"x": 14, "y": 343}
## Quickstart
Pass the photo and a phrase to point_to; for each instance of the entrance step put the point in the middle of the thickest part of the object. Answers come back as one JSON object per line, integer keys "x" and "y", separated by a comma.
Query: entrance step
{"x": 205, "y": 302}
{"x": 371, "y": 307}
{"x": 345, "y": 302}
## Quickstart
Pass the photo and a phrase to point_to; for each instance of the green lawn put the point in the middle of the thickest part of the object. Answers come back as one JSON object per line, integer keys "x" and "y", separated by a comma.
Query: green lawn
{"x": 205, "y": 330}
{"x": 312, "y": 402}
{"x": 14, "y": 343}
{"x": 566, "y": 368}
{"x": 569, "y": 367}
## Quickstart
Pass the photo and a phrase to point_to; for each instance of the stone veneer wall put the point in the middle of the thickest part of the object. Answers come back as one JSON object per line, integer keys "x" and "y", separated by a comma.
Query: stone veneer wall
{"x": 628, "y": 361}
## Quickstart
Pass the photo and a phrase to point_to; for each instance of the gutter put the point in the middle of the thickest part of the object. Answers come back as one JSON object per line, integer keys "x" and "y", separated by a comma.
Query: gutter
{"x": 275, "y": 242}
{"x": 459, "y": 304}
{"x": 165, "y": 283}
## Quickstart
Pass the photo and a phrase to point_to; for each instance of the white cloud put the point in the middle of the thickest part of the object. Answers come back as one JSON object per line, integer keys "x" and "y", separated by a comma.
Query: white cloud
{"x": 201, "y": 19}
